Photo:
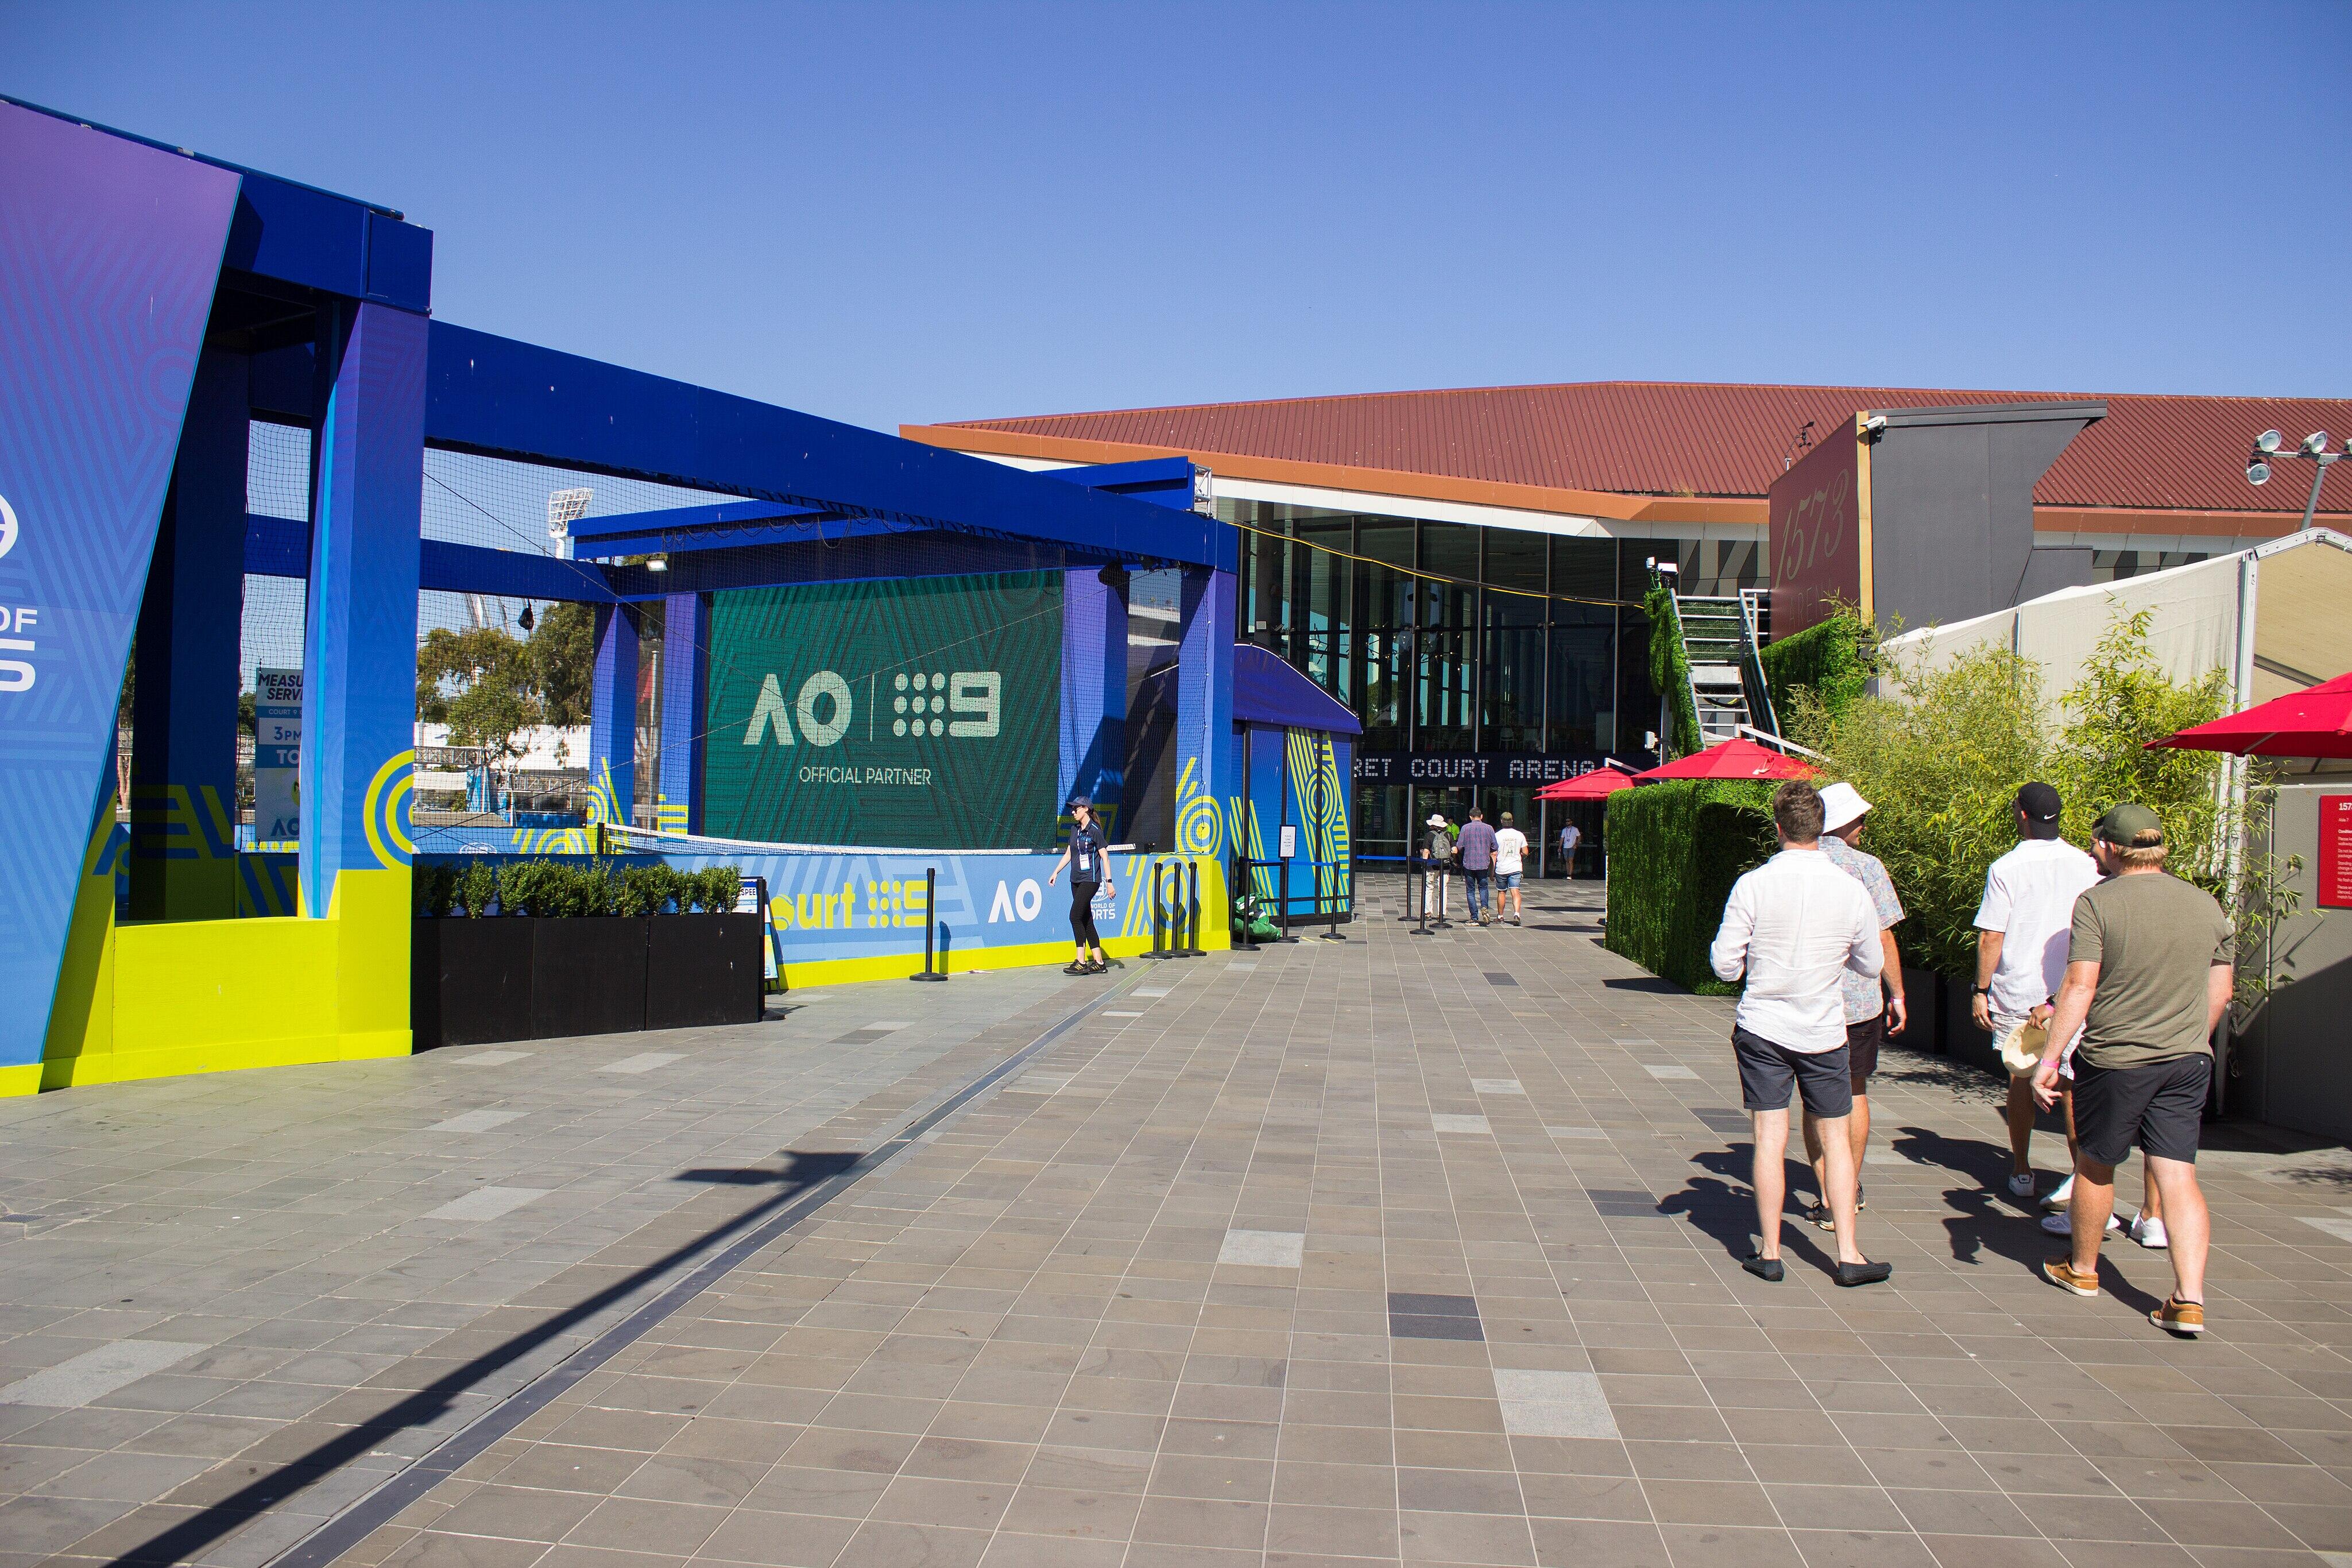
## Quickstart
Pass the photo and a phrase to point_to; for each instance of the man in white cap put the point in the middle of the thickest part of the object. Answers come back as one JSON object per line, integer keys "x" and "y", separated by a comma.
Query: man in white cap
{"x": 1874, "y": 1003}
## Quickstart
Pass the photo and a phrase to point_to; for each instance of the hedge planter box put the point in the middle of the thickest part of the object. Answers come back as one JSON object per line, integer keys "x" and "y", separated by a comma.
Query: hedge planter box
{"x": 476, "y": 981}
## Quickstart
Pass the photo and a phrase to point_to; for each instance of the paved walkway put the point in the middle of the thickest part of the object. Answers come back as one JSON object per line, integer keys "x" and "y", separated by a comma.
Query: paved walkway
{"x": 1404, "y": 1248}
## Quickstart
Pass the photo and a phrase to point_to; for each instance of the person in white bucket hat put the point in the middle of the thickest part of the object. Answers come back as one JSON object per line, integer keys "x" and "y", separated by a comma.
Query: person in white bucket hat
{"x": 1874, "y": 1008}
{"x": 1437, "y": 854}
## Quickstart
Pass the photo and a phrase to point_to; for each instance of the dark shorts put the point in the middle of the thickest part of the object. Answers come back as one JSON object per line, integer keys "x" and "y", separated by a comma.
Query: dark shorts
{"x": 1861, "y": 1042}
{"x": 2159, "y": 1108}
{"x": 1768, "y": 1072}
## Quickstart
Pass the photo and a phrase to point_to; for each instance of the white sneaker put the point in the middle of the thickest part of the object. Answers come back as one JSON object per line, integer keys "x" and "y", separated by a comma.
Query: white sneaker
{"x": 2149, "y": 1233}
{"x": 2021, "y": 1185}
{"x": 2059, "y": 1195}
{"x": 2062, "y": 1223}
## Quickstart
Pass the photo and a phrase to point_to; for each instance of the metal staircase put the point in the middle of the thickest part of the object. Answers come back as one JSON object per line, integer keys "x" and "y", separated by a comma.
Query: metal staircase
{"x": 1727, "y": 676}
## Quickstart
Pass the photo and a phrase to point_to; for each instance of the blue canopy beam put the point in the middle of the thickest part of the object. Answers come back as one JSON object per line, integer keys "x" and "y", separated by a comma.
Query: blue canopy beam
{"x": 280, "y": 546}
{"x": 499, "y": 397}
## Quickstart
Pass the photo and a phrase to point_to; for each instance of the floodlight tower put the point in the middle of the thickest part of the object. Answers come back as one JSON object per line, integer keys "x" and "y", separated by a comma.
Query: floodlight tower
{"x": 2315, "y": 446}
{"x": 565, "y": 508}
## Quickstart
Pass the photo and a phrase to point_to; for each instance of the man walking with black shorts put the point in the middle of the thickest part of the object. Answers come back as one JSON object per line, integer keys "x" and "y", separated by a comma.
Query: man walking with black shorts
{"x": 1794, "y": 927}
{"x": 2149, "y": 971}
{"x": 1088, "y": 858}
{"x": 1874, "y": 1004}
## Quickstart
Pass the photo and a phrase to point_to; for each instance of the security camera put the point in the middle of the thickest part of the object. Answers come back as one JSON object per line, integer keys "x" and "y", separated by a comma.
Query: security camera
{"x": 1874, "y": 426}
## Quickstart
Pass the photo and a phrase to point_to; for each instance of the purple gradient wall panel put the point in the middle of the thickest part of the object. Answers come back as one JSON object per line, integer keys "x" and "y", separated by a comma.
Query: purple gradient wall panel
{"x": 109, "y": 255}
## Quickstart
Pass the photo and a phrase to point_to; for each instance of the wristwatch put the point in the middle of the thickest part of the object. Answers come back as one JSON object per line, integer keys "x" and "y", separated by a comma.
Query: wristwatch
{"x": 1980, "y": 991}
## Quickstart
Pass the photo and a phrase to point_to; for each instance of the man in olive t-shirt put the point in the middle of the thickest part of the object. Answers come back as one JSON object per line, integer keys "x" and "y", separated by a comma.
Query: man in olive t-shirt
{"x": 2149, "y": 973}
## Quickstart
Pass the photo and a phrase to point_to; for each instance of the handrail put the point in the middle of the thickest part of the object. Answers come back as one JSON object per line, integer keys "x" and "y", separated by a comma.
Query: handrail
{"x": 1752, "y": 733}
{"x": 1753, "y": 654}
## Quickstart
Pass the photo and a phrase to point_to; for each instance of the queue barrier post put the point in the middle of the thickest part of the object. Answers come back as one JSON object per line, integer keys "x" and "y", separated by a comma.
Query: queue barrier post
{"x": 1282, "y": 873}
{"x": 1248, "y": 941}
{"x": 1159, "y": 916}
{"x": 931, "y": 925}
{"x": 1332, "y": 908}
{"x": 1188, "y": 909}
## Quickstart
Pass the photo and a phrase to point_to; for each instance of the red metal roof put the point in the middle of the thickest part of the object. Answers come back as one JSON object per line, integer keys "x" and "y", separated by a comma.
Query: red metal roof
{"x": 1715, "y": 440}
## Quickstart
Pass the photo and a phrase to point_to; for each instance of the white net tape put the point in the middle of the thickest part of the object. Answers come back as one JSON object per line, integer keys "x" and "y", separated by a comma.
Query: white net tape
{"x": 654, "y": 842}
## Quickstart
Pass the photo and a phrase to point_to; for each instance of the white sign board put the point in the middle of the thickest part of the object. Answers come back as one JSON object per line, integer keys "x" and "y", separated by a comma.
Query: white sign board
{"x": 1289, "y": 840}
{"x": 277, "y": 755}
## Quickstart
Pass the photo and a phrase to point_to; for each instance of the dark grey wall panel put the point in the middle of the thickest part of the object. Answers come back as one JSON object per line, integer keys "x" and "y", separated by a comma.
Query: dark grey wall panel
{"x": 1951, "y": 507}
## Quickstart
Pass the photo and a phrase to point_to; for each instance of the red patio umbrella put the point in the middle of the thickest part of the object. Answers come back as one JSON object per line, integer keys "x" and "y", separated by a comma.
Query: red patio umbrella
{"x": 2315, "y": 722}
{"x": 1590, "y": 786}
{"x": 1738, "y": 759}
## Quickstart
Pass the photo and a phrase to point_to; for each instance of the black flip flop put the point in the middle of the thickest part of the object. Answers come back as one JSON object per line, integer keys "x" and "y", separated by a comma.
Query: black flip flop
{"x": 1768, "y": 1269}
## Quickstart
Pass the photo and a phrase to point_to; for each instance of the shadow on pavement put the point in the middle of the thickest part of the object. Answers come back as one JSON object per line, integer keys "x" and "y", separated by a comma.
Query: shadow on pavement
{"x": 187, "y": 1540}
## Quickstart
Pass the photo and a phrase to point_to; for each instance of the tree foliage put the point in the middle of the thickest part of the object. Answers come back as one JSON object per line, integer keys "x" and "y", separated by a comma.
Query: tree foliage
{"x": 1941, "y": 752}
{"x": 488, "y": 685}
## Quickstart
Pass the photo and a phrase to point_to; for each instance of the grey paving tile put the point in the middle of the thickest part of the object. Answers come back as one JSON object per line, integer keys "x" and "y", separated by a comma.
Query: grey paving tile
{"x": 94, "y": 1374}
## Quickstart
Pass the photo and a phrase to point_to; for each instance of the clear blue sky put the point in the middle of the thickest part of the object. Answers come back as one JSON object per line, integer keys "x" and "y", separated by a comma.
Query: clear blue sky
{"x": 883, "y": 213}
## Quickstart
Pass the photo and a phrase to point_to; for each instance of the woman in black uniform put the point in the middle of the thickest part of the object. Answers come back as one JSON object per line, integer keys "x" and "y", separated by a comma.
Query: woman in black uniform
{"x": 1088, "y": 858}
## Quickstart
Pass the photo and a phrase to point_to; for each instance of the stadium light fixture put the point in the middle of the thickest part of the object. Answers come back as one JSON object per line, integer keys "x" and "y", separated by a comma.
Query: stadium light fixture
{"x": 565, "y": 508}
{"x": 656, "y": 564}
{"x": 2313, "y": 447}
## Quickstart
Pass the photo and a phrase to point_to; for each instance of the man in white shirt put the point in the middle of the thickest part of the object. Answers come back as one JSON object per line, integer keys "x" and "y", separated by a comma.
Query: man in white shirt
{"x": 1510, "y": 862}
{"x": 2024, "y": 925}
{"x": 1794, "y": 925}
{"x": 1569, "y": 837}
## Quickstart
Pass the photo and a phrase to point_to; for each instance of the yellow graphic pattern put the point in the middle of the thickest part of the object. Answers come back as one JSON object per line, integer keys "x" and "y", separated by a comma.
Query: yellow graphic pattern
{"x": 1198, "y": 830}
{"x": 1314, "y": 769}
{"x": 388, "y": 811}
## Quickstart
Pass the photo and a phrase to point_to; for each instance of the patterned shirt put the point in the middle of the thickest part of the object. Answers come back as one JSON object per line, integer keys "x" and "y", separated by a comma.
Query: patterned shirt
{"x": 1864, "y": 997}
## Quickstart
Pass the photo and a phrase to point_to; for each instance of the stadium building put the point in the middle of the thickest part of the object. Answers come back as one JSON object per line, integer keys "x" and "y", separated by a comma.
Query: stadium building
{"x": 1464, "y": 569}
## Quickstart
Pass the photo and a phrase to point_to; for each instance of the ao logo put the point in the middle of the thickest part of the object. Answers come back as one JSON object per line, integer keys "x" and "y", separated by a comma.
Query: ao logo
{"x": 7, "y": 525}
{"x": 1022, "y": 905}
{"x": 770, "y": 711}
{"x": 823, "y": 711}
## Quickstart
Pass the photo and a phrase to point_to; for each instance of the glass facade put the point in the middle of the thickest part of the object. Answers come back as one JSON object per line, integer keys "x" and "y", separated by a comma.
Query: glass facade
{"x": 1538, "y": 646}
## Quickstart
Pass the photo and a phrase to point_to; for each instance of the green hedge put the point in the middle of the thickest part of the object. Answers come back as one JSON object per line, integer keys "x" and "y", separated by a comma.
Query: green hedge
{"x": 1835, "y": 659}
{"x": 564, "y": 889}
{"x": 1670, "y": 672}
{"x": 1675, "y": 850}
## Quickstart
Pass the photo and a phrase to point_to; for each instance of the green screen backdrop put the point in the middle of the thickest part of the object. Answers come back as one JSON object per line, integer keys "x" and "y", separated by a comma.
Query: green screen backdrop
{"x": 922, "y": 713}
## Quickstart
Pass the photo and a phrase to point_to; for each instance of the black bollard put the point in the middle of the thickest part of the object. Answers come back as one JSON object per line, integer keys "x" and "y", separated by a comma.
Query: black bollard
{"x": 1187, "y": 910}
{"x": 1158, "y": 917}
{"x": 931, "y": 925}
{"x": 1331, "y": 909}
{"x": 1247, "y": 940}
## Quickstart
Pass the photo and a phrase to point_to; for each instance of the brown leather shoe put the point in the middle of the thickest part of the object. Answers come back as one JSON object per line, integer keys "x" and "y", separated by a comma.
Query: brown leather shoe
{"x": 2176, "y": 1316}
{"x": 2060, "y": 1271}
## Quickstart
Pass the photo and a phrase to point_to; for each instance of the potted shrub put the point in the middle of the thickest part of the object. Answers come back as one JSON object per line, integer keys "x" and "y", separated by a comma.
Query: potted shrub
{"x": 544, "y": 948}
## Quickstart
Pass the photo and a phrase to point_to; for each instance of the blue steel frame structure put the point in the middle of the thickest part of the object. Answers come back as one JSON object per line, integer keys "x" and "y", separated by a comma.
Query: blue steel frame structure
{"x": 319, "y": 315}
